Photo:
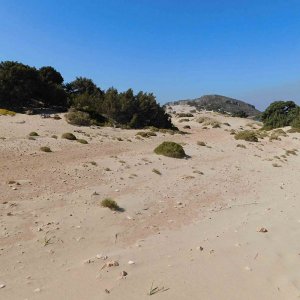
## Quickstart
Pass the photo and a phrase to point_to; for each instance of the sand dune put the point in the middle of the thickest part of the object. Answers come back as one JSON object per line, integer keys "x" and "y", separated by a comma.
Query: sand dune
{"x": 192, "y": 232}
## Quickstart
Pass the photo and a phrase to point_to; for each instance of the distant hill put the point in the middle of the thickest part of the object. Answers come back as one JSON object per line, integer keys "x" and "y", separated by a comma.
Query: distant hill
{"x": 220, "y": 104}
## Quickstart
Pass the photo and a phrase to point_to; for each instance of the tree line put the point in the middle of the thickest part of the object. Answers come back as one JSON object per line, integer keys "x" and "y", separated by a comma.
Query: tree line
{"x": 23, "y": 87}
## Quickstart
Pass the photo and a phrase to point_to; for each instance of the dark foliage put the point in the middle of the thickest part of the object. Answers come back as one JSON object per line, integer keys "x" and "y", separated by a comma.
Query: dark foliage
{"x": 25, "y": 86}
{"x": 280, "y": 114}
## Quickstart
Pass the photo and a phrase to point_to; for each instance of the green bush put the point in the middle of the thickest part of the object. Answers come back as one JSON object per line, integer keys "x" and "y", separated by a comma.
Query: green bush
{"x": 247, "y": 135}
{"x": 170, "y": 149}
{"x": 280, "y": 114}
{"x": 109, "y": 203}
{"x": 79, "y": 118}
{"x": 69, "y": 136}
{"x": 45, "y": 149}
{"x": 82, "y": 141}
{"x": 33, "y": 133}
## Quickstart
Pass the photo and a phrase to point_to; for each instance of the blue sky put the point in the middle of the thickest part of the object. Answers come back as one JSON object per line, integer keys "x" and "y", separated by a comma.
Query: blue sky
{"x": 245, "y": 49}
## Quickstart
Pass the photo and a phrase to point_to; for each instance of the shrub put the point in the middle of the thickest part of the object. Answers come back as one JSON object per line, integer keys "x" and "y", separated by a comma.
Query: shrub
{"x": 33, "y": 133}
{"x": 241, "y": 146}
{"x": 45, "y": 149}
{"x": 170, "y": 149}
{"x": 146, "y": 134}
{"x": 69, "y": 136}
{"x": 200, "y": 143}
{"x": 54, "y": 136}
{"x": 5, "y": 112}
{"x": 82, "y": 141}
{"x": 294, "y": 130}
{"x": 280, "y": 114}
{"x": 247, "y": 135}
{"x": 184, "y": 115}
{"x": 79, "y": 118}
{"x": 156, "y": 171}
{"x": 109, "y": 203}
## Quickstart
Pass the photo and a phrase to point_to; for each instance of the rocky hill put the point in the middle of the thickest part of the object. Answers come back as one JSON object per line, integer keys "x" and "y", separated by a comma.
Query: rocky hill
{"x": 221, "y": 104}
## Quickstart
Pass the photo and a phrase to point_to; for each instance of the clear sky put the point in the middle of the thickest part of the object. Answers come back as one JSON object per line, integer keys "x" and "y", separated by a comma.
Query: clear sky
{"x": 178, "y": 49}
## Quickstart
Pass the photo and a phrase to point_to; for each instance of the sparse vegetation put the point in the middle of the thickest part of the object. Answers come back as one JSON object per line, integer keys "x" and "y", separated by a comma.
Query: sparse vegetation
{"x": 69, "y": 136}
{"x": 45, "y": 149}
{"x": 241, "y": 146}
{"x": 79, "y": 118}
{"x": 6, "y": 112}
{"x": 110, "y": 203}
{"x": 33, "y": 133}
{"x": 156, "y": 171}
{"x": 275, "y": 165}
{"x": 82, "y": 141}
{"x": 184, "y": 115}
{"x": 170, "y": 149}
{"x": 247, "y": 135}
{"x": 201, "y": 143}
{"x": 187, "y": 127}
{"x": 146, "y": 134}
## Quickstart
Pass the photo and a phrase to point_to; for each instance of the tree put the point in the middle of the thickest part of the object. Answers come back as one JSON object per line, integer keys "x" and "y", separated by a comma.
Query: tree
{"x": 19, "y": 84}
{"x": 50, "y": 75}
{"x": 279, "y": 114}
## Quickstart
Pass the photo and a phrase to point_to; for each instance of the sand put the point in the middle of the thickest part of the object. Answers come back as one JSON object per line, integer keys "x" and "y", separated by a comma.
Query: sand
{"x": 192, "y": 232}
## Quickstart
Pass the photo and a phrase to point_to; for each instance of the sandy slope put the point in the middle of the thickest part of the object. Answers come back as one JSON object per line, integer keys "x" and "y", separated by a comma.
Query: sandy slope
{"x": 194, "y": 234}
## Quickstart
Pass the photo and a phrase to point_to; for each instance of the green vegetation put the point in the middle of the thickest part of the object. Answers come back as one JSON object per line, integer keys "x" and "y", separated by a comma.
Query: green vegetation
{"x": 6, "y": 112}
{"x": 45, "y": 149}
{"x": 33, "y": 133}
{"x": 170, "y": 149}
{"x": 201, "y": 143}
{"x": 82, "y": 141}
{"x": 146, "y": 134}
{"x": 184, "y": 115}
{"x": 23, "y": 87}
{"x": 281, "y": 114}
{"x": 111, "y": 204}
{"x": 69, "y": 136}
{"x": 156, "y": 171}
{"x": 247, "y": 135}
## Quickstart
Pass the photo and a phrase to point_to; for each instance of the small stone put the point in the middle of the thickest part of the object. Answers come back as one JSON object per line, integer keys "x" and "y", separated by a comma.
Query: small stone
{"x": 37, "y": 290}
{"x": 2, "y": 285}
{"x": 264, "y": 230}
{"x": 130, "y": 262}
{"x": 200, "y": 248}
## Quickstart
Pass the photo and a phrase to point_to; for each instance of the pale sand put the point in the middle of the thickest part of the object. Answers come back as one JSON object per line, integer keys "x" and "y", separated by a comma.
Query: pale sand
{"x": 221, "y": 211}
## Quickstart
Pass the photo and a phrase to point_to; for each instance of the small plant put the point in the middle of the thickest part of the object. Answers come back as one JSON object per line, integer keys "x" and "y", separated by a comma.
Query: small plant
{"x": 154, "y": 290}
{"x": 294, "y": 130}
{"x": 69, "y": 136}
{"x": 79, "y": 118}
{"x": 54, "y": 136}
{"x": 170, "y": 149}
{"x": 47, "y": 241}
{"x": 33, "y": 133}
{"x": 201, "y": 143}
{"x": 5, "y": 112}
{"x": 45, "y": 149}
{"x": 156, "y": 171}
{"x": 276, "y": 165}
{"x": 183, "y": 120}
{"x": 56, "y": 117}
{"x": 184, "y": 115}
{"x": 187, "y": 127}
{"x": 247, "y": 135}
{"x": 107, "y": 169}
{"x": 146, "y": 134}
{"x": 93, "y": 163}
{"x": 111, "y": 204}
{"x": 82, "y": 141}
{"x": 288, "y": 152}
{"x": 241, "y": 146}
